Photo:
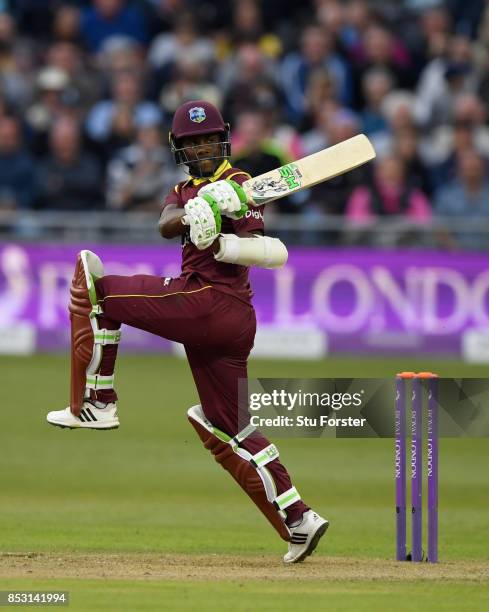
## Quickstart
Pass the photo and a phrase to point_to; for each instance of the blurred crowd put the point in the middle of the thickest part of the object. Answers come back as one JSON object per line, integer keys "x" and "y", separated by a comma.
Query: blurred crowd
{"x": 88, "y": 89}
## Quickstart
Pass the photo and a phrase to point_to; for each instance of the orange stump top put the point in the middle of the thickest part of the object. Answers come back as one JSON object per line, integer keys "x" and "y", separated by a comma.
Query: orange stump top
{"x": 409, "y": 375}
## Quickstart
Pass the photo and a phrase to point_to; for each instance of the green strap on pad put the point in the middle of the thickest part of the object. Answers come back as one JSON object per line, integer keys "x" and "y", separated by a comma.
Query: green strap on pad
{"x": 97, "y": 382}
{"x": 286, "y": 499}
{"x": 107, "y": 336}
{"x": 264, "y": 456}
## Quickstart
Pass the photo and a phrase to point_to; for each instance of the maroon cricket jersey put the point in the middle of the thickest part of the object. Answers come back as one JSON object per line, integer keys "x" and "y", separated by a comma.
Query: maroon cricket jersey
{"x": 225, "y": 277}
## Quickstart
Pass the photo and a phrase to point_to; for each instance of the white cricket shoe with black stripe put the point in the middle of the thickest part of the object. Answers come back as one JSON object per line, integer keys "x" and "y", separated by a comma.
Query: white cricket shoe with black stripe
{"x": 90, "y": 417}
{"x": 305, "y": 536}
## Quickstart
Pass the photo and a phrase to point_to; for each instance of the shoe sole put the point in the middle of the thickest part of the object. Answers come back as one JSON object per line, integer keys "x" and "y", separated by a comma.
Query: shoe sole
{"x": 104, "y": 428}
{"x": 312, "y": 544}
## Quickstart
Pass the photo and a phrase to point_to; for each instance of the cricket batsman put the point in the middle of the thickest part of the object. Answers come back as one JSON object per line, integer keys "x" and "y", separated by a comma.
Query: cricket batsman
{"x": 207, "y": 308}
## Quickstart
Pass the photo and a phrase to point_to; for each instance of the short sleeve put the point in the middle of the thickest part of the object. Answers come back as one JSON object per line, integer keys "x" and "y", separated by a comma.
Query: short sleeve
{"x": 173, "y": 197}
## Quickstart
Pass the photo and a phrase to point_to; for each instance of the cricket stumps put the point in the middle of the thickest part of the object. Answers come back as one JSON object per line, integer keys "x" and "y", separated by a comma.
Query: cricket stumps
{"x": 415, "y": 383}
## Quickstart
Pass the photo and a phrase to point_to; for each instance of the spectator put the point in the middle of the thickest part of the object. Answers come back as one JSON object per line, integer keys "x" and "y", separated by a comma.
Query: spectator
{"x": 70, "y": 178}
{"x": 112, "y": 18}
{"x": 112, "y": 123}
{"x": 330, "y": 197}
{"x": 431, "y": 35}
{"x": 248, "y": 26}
{"x": 66, "y": 24}
{"x": 52, "y": 102}
{"x": 184, "y": 41}
{"x": 141, "y": 174}
{"x": 253, "y": 150}
{"x": 442, "y": 80}
{"x": 190, "y": 83}
{"x": 17, "y": 171}
{"x": 15, "y": 78}
{"x": 321, "y": 93}
{"x": 317, "y": 51}
{"x": 469, "y": 114}
{"x": 285, "y": 135}
{"x": 407, "y": 147}
{"x": 445, "y": 171}
{"x": 85, "y": 85}
{"x": 120, "y": 55}
{"x": 377, "y": 83}
{"x": 358, "y": 17}
{"x": 319, "y": 136}
{"x": 397, "y": 110}
{"x": 389, "y": 194}
{"x": 465, "y": 198}
{"x": 331, "y": 14}
{"x": 256, "y": 152}
{"x": 379, "y": 49}
{"x": 248, "y": 80}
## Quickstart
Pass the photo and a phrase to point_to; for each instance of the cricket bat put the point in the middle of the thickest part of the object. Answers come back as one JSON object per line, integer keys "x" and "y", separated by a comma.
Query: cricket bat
{"x": 309, "y": 171}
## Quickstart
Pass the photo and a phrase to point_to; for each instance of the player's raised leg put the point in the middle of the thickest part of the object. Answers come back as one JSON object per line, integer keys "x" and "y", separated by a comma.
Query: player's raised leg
{"x": 177, "y": 309}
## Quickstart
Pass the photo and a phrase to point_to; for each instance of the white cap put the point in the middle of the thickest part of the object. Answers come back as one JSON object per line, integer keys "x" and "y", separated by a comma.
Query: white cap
{"x": 52, "y": 78}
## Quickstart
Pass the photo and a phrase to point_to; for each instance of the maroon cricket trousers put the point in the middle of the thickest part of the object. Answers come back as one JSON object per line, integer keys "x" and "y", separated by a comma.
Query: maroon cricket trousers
{"x": 217, "y": 331}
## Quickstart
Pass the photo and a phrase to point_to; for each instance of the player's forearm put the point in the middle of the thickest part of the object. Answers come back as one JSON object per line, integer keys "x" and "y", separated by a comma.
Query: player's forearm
{"x": 170, "y": 224}
{"x": 260, "y": 251}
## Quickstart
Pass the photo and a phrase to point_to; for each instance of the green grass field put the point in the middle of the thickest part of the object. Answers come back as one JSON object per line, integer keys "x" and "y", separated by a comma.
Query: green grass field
{"x": 143, "y": 519}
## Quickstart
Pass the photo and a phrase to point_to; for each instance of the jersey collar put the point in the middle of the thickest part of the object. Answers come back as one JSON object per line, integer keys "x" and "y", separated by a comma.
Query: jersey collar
{"x": 216, "y": 176}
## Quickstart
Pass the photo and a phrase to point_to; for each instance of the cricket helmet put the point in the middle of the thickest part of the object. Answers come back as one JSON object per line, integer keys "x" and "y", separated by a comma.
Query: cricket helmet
{"x": 196, "y": 118}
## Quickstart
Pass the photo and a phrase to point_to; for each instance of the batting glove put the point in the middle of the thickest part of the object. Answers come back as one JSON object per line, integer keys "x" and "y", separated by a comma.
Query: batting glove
{"x": 203, "y": 216}
{"x": 229, "y": 196}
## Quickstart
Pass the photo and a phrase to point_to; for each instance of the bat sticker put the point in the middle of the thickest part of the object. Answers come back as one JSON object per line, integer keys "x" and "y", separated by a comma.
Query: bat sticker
{"x": 289, "y": 179}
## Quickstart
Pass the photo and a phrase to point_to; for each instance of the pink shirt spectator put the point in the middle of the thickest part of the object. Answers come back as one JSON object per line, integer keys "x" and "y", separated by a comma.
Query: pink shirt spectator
{"x": 360, "y": 205}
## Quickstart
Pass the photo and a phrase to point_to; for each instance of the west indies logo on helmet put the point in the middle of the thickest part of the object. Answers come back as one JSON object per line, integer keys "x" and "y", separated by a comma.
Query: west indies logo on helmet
{"x": 197, "y": 114}
{"x": 192, "y": 138}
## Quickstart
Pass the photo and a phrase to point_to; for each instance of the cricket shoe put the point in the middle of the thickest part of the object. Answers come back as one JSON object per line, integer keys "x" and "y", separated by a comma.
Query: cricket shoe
{"x": 90, "y": 417}
{"x": 305, "y": 536}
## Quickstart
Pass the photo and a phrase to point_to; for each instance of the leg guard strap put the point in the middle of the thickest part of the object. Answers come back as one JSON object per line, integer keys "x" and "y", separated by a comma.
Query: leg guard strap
{"x": 248, "y": 470}
{"x": 107, "y": 336}
{"x": 240, "y": 436}
{"x": 269, "y": 453}
{"x": 98, "y": 382}
{"x": 286, "y": 499}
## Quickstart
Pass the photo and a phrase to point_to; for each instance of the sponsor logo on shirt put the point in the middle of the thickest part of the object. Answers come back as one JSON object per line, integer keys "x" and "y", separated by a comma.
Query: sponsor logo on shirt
{"x": 256, "y": 214}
